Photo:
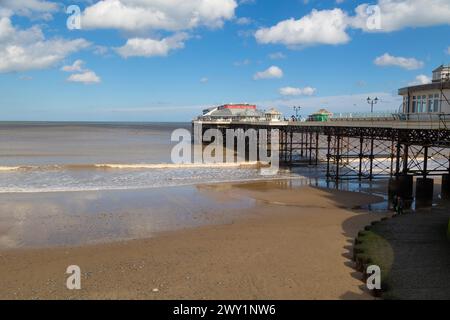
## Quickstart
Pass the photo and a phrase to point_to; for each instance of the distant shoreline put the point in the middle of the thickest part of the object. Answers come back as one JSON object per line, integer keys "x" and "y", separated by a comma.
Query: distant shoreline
{"x": 87, "y": 122}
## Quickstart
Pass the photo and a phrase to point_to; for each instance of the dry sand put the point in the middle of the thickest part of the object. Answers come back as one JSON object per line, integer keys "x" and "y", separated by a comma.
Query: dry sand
{"x": 293, "y": 244}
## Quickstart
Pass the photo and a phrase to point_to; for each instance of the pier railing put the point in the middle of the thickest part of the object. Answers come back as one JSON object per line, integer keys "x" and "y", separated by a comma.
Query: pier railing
{"x": 357, "y": 116}
{"x": 381, "y": 120}
{"x": 392, "y": 116}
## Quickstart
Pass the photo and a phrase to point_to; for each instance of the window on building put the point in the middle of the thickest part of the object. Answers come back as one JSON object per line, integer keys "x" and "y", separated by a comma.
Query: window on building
{"x": 437, "y": 75}
{"x": 414, "y": 105}
{"x": 436, "y": 103}
{"x": 419, "y": 104}
{"x": 430, "y": 103}
{"x": 424, "y": 103}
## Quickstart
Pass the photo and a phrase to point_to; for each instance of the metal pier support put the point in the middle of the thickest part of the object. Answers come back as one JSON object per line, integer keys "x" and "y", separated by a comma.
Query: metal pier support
{"x": 445, "y": 191}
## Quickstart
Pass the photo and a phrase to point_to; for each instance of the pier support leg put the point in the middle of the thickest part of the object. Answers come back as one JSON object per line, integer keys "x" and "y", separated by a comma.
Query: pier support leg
{"x": 310, "y": 148}
{"x": 425, "y": 163}
{"x": 305, "y": 145}
{"x": 393, "y": 187}
{"x": 371, "y": 157}
{"x": 317, "y": 148}
{"x": 406, "y": 187}
{"x": 424, "y": 191}
{"x": 301, "y": 144}
{"x": 445, "y": 191}
{"x": 328, "y": 156}
{"x": 397, "y": 160}
{"x": 286, "y": 147}
{"x": 392, "y": 158}
{"x": 361, "y": 157}
{"x": 290, "y": 148}
{"x": 406, "y": 159}
{"x": 403, "y": 187}
{"x": 338, "y": 157}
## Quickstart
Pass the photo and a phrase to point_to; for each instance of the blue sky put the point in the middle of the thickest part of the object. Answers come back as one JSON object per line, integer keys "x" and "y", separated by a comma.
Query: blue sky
{"x": 153, "y": 60}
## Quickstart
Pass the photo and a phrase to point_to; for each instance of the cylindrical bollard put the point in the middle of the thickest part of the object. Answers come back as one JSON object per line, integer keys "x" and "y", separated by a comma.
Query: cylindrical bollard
{"x": 406, "y": 187}
{"x": 424, "y": 191}
{"x": 445, "y": 192}
{"x": 393, "y": 188}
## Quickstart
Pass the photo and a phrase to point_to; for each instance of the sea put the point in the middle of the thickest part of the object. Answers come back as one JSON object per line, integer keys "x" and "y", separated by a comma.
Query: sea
{"x": 59, "y": 157}
{"x": 70, "y": 184}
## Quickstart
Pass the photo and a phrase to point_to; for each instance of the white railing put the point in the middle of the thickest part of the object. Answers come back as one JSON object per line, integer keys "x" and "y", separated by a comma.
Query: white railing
{"x": 358, "y": 116}
{"x": 392, "y": 116}
{"x": 426, "y": 117}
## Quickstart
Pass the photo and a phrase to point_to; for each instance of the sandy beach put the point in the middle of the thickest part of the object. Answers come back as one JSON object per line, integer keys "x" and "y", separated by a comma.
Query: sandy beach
{"x": 291, "y": 243}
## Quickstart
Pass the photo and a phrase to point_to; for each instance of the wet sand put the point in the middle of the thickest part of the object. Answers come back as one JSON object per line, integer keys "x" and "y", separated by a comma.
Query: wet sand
{"x": 289, "y": 243}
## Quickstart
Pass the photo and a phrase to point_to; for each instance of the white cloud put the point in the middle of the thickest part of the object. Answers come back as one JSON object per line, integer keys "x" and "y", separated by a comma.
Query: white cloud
{"x": 291, "y": 91}
{"x": 146, "y": 47}
{"x": 399, "y": 14}
{"x": 204, "y": 80}
{"x": 77, "y": 66}
{"x": 319, "y": 27}
{"x": 142, "y": 18}
{"x": 28, "y": 49}
{"x": 26, "y": 78}
{"x": 387, "y": 60}
{"x": 6, "y": 29}
{"x": 100, "y": 50}
{"x": 448, "y": 50}
{"x": 420, "y": 79}
{"x": 86, "y": 77}
{"x": 244, "y": 21}
{"x": 244, "y": 62}
{"x": 30, "y": 8}
{"x": 277, "y": 56}
{"x": 169, "y": 15}
{"x": 331, "y": 26}
{"x": 81, "y": 74}
{"x": 273, "y": 72}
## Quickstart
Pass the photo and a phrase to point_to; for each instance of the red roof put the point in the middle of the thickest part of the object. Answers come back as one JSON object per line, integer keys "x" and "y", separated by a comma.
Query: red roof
{"x": 238, "y": 106}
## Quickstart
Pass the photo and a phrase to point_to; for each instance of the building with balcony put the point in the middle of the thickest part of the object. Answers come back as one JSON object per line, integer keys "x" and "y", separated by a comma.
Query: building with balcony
{"x": 239, "y": 113}
{"x": 429, "y": 99}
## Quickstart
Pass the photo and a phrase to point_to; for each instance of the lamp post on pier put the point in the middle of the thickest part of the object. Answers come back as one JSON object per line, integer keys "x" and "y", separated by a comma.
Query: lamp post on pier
{"x": 297, "y": 110}
{"x": 372, "y": 102}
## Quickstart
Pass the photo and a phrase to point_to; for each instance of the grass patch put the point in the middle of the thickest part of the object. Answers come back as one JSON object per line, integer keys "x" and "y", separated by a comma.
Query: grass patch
{"x": 372, "y": 249}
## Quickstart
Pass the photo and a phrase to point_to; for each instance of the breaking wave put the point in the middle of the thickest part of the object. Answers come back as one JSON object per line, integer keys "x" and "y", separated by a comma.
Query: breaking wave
{"x": 65, "y": 178}
{"x": 136, "y": 166}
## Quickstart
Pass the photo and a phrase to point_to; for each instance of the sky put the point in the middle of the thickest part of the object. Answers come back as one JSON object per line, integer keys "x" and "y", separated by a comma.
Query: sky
{"x": 166, "y": 60}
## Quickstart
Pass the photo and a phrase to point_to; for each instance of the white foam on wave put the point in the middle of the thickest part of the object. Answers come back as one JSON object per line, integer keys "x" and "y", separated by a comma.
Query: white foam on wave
{"x": 136, "y": 166}
{"x": 130, "y": 188}
{"x": 72, "y": 178}
{"x": 9, "y": 168}
{"x": 253, "y": 164}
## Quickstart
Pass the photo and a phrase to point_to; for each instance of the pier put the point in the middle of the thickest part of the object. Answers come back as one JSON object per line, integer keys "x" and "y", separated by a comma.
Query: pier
{"x": 411, "y": 142}
{"x": 391, "y": 146}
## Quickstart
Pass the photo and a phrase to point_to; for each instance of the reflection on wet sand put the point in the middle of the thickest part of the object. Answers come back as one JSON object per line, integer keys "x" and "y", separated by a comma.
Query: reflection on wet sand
{"x": 74, "y": 218}
{"x": 244, "y": 245}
